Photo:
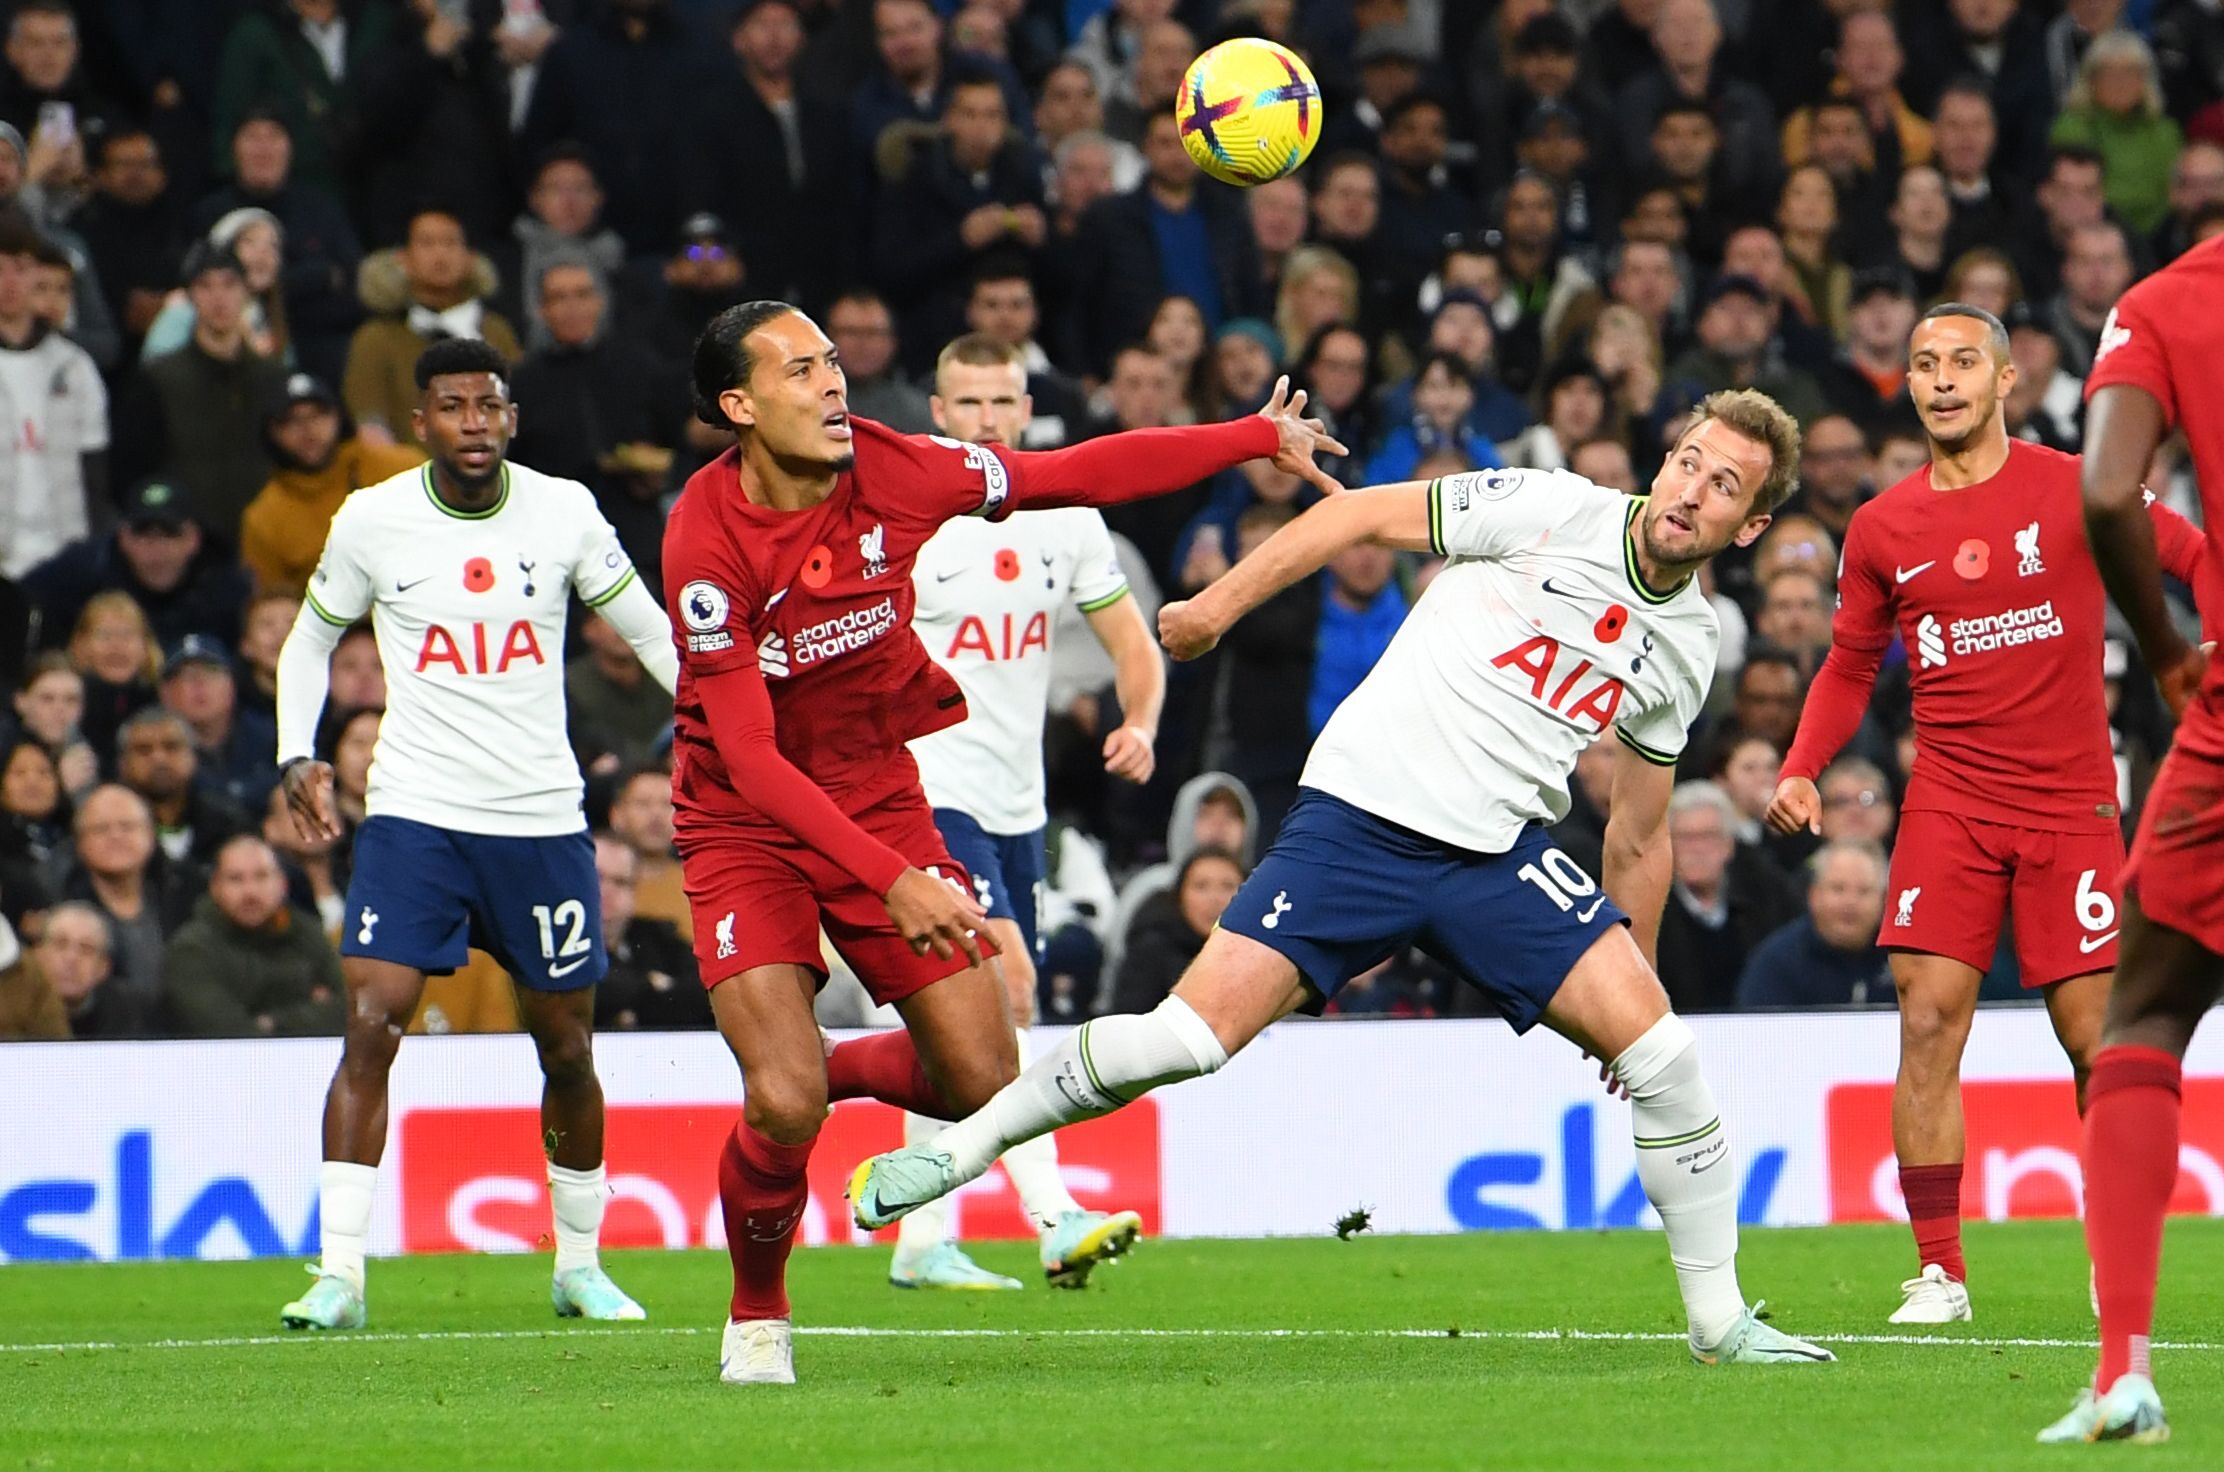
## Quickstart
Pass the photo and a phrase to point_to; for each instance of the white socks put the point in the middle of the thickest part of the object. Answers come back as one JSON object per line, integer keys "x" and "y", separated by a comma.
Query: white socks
{"x": 1683, "y": 1159}
{"x": 1031, "y": 1164}
{"x": 578, "y": 1197}
{"x": 1094, "y": 1070}
{"x": 344, "y": 1191}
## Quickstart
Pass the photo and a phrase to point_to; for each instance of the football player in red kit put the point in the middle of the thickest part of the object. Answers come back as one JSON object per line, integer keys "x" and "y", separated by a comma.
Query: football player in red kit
{"x": 787, "y": 566}
{"x": 2160, "y": 363}
{"x": 1979, "y": 562}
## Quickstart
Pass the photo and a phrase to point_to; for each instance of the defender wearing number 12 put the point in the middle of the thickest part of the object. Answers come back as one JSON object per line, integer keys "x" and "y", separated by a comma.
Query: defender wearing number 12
{"x": 1566, "y": 610}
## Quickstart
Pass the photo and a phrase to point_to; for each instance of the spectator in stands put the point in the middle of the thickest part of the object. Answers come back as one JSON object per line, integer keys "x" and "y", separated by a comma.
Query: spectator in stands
{"x": 196, "y": 414}
{"x": 1605, "y": 463}
{"x": 1868, "y": 383}
{"x": 1901, "y": 450}
{"x": 1736, "y": 350}
{"x": 1245, "y": 357}
{"x": 432, "y": 109}
{"x": 1645, "y": 276}
{"x": 1443, "y": 405}
{"x": 1984, "y": 277}
{"x": 1830, "y": 957}
{"x": 596, "y": 407}
{"x": 1336, "y": 369}
{"x": 2096, "y": 270}
{"x": 1170, "y": 929}
{"x": 133, "y": 228}
{"x": 1546, "y": 284}
{"x": 116, "y": 656}
{"x": 1164, "y": 237}
{"x": 357, "y": 677}
{"x": 54, "y": 459}
{"x": 1747, "y": 768}
{"x": 1207, "y": 545}
{"x": 1278, "y": 213}
{"x": 1576, "y": 410}
{"x": 862, "y": 327}
{"x": 910, "y": 75}
{"x": 2046, "y": 403}
{"x": 1462, "y": 326}
{"x": 1419, "y": 205}
{"x": 76, "y": 957}
{"x": 322, "y": 252}
{"x": 1770, "y": 690}
{"x": 2002, "y": 46}
{"x": 249, "y": 965}
{"x": 1002, "y": 306}
{"x": 953, "y": 203}
{"x": 1807, "y": 216}
{"x": 432, "y": 288}
{"x": 2196, "y": 187}
{"x": 702, "y": 278}
{"x": 1319, "y": 288}
{"x": 350, "y": 736}
{"x": 255, "y": 236}
{"x": 235, "y": 750}
{"x": 34, "y": 820}
{"x": 1391, "y": 59}
{"x": 1988, "y": 207}
{"x": 1070, "y": 105}
{"x": 653, "y": 984}
{"x": 2115, "y": 108}
{"x": 637, "y": 50}
{"x": 1086, "y": 169}
{"x": 562, "y": 220}
{"x": 1687, "y": 37}
{"x": 1164, "y": 50}
{"x": 1359, "y": 615}
{"x": 1724, "y": 900}
{"x": 49, "y": 704}
{"x": 41, "y": 77}
{"x": 316, "y": 868}
{"x": 1857, "y": 802}
{"x": 116, "y": 867}
{"x": 1869, "y": 60}
{"x": 1145, "y": 394}
{"x": 1795, "y": 617}
{"x": 1177, "y": 334}
{"x": 1210, "y": 810}
{"x": 156, "y": 758}
{"x": 302, "y": 61}
{"x": 641, "y": 816}
{"x": 1921, "y": 215}
{"x": 319, "y": 465}
{"x": 158, "y": 556}
{"x": 30, "y": 1011}
{"x": 263, "y": 628}
{"x": 2071, "y": 197}
{"x": 755, "y": 114}
{"x": 618, "y": 715}
{"x": 1834, "y": 468}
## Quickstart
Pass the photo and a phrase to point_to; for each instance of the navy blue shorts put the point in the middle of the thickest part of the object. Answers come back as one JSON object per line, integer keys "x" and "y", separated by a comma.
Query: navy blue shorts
{"x": 1342, "y": 891}
{"x": 421, "y": 896}
{"x": 1007, "y": 870}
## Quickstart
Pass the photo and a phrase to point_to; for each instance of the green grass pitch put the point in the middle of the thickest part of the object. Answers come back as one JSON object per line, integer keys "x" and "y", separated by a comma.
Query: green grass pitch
{"x": 182, "y": 1365}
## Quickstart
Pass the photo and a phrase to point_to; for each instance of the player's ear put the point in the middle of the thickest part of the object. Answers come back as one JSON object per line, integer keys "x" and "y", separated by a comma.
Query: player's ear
{"x": 1750, "y": 533}
{"x": 2007, "y": 378}
{"x": 738, "y": 407}
{"x": 417, "y": 422}
{"x": 934, "y": 407}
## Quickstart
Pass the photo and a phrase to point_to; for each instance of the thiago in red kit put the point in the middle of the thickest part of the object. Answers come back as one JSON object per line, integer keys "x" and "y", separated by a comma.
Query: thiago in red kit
{"x": 1994, "y": 594}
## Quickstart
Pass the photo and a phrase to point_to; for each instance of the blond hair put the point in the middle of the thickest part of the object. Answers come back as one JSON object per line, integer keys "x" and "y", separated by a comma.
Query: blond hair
{"x": 1760, "y": 419}
{"x": 118, "y": 603}
{"x": 978, "y": 350}
{"x": 1303, "y": 263}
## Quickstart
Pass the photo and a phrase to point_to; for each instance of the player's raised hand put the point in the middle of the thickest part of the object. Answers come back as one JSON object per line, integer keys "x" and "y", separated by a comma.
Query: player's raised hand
{"x": 1186, "y": 630}
{"x": 1796, "y": 805}
{"x": 2179, "y": 682}
{"x": 935, "y": 915}
{"x": 1302, "y": 438}
{"x": 309, "y": 798}
{"x": 1129, "y": 754}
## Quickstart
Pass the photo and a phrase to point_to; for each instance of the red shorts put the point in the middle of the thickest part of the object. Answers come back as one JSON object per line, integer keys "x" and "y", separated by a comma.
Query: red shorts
{"x": 761, "y": 900}
{"x": 2177, "y": 860}
{"x": 1954, "y": 878}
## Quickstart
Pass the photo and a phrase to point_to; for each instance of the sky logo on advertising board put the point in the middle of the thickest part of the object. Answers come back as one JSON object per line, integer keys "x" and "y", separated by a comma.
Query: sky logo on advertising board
{"x": 1478, "y": 1190}
{"x": 51, "y": 1220}
{"x": 473, "y": 1180}
{"x": 2022, "y": 1157}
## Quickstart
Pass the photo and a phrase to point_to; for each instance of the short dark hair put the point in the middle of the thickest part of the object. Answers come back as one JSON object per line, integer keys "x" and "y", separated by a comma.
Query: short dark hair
{"x": 18, "y": 237}
{"x": 1837, "y": 102}
{"x": 566, "y": 152}
{"x": 1682, "y": 107}
{"x": 1966, "y": 85}
{"x": 1450, "y": 363}
{"x": 446, "y": 212}
{"x": 47, "y": 253}
{"x": 1409, "y": 103}
{"x": 1996, "y": 332}
{"x": 1758, "y": 653}
{"x": 103, "y": 143}
{"x": 460, "y": 355}
{"x": 722, "y": 357}
{"x": 2073, "y": 153}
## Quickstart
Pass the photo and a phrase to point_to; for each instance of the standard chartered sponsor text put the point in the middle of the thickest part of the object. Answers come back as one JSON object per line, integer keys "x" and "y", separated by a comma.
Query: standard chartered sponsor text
{"x": 842, "y": 633}
{"x": 2003, "y": 630}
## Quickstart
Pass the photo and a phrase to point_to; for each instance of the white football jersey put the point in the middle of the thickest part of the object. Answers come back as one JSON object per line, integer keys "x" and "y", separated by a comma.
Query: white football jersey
{"x": 989, "y": 593}
{"x": 469, "y": 611}
{"x": 1537, "y": 636}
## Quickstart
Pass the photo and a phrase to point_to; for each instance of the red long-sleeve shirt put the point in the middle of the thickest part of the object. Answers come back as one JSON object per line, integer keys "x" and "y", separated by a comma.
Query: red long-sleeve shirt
{"x": 801, "y": 681}
{"x": 1993, "y": 590}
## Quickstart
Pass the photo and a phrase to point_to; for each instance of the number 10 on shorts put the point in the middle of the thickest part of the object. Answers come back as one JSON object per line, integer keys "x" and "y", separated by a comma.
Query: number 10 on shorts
{"x": 1563, "y": 881}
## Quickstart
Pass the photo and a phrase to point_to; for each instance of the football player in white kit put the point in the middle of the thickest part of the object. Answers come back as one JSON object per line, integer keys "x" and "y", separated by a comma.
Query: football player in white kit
{"x": 989, "y": 596}
{"x": 475, "y": 834}
{"x": 1565, "y": 610}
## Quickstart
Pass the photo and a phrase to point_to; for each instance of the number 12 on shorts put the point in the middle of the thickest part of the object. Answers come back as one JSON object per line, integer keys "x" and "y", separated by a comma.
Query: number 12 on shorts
{"x": 1563, "y": 881}
{"x": 572, "y": 916}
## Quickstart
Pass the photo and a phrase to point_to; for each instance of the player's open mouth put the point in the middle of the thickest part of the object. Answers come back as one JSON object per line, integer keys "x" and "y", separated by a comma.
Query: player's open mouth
{"x": 837, "y": 425}
{"x": 1675, "y": 521}
{"x": 475, "y": 455}
{"x": 1947, "y": 408}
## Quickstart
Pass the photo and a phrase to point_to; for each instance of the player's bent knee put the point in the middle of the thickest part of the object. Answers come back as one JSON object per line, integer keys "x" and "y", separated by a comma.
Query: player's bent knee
{"x": 783, "y": 1108}
{"x": 568, "y": 1058}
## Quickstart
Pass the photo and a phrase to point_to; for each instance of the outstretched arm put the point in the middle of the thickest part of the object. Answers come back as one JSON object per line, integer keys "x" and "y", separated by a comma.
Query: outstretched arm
{"x": 1391, "y": 516}
{"x": 2123, "y": 425}
{"x": 1840, "y": 695}
{"x": 1139, "y": 675}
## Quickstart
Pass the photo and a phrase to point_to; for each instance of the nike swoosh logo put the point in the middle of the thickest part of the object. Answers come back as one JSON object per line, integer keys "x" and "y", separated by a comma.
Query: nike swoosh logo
{"x": 555, "y": 972}
{"x": 1902, "y": 574}
{"x": 774, "y": 601}
{"x": 1559, "y": 592}
{"x": 405, "y": 587}
{"x": 1718, "y": 1157}
{"x": 943, "y": 577}
{"x": 2091, "y": 943}
{"x": 1586, "y": 915}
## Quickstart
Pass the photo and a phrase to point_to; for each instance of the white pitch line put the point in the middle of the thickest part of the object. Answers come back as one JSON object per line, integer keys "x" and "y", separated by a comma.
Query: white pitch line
{"x": 859, "y": 1331}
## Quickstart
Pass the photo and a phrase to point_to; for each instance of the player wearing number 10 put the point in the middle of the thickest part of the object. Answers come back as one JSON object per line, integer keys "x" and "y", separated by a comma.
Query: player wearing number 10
{"x": 475, "y": 835}
{"x": 1566, "y": 609}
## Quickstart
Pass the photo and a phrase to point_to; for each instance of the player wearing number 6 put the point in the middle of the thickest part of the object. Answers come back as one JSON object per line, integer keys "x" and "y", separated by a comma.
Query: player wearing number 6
{"x": 1566, "y": 609}
{"x": 475, "y": 837}
{"x": 1979, "y": 561}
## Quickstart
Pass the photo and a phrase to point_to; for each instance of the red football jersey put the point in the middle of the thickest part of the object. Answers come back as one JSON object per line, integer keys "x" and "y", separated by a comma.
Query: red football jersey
{"x": 2167, "y": 336}
{"x": 1996, "y": 597}
{"x": 820, "y": 601}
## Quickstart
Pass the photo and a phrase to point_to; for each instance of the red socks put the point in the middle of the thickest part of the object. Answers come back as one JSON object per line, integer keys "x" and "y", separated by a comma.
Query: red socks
{"x": 762, "y": 1189}
{"x": 884, "y": 1066}
{"x": 2131, "y": 1167}
{"x": 1933, "y": 1195}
